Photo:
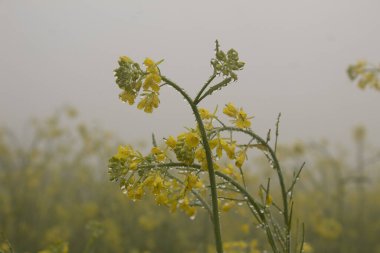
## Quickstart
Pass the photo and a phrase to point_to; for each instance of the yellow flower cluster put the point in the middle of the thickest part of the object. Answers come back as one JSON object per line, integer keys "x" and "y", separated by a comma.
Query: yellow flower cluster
{"x": 138, "y": 176}
{"x": 180, "y": 188}
{"x": 366, "y": 74}
{"x": 131, "y": 79}
{"x": 239, "y": 117}
{"x": 184, "y": 146}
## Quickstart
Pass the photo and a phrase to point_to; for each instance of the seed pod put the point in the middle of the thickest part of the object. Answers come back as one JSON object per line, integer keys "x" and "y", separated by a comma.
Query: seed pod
{"x": 183, "y": 152}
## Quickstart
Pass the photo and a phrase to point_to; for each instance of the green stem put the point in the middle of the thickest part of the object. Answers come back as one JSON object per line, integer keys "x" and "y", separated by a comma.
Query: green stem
{"x": 277, "y": 167}
{"x": 260, "y": 216}
{"x": 204, "y": 87}
{"x": 213, "y": 88}
{"x": 182, "y": 165}
{"x": 259, "y": 210}
{"x": 210, "y": 166}
{"x": 196, "y": 194}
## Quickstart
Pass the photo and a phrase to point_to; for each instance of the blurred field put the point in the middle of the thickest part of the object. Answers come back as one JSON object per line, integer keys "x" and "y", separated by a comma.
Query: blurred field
{"x": 55, "y": 196}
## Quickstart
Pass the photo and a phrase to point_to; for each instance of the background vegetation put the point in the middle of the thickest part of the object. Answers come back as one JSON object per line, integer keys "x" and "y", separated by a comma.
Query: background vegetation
{"x": 55, "y": 196}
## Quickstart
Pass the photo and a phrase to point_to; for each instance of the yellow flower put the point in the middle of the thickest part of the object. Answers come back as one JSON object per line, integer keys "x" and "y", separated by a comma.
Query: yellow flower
{"x": 190, "y": 211}
{"x": 184, "y": 204}
{"x": 128, "y": 96}
{"x": 192, "y": 139}
{"x": 229, "y": 148}
{"x": 149, "y": 102}
{"x": 152, "y": 82}
{"x": 123, "y": 152}
{"x": 360, "y": 66}
{"x": 240, "y": 159}
{"x": 138, "y": 193}
{"x": 148, "y": 62}
{"x": 171, "y": 142}
{"x": 229, "y": 170}
{"x": 205, "y": 114}
{"x": 200, "y": 154}
{"x": 240, "y": 118}
{"x": 155, "y": 150}
{"x": 192, "y": 181}
{"x": 158, "y": 153}
{"x": 148, "y": 181}
{"x": 230, "y": 110}
{"x": 219, "y": 151}
{"x": 153, "y": 79}
{"x": 158, "y": 184}
{"x": 213, "y": 143}
{"x": 162, "y": 199}
{"x": 173, "y": 204}
{"x": 242, "y": 121}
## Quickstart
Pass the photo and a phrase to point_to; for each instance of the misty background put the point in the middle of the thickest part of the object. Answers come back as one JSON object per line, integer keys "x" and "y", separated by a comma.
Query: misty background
{"x": 56, "y": 53}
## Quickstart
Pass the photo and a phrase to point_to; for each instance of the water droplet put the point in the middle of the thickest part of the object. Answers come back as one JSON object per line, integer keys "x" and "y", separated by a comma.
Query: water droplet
{"x": 192, "y": 217}
{"x": 240, "y": 203}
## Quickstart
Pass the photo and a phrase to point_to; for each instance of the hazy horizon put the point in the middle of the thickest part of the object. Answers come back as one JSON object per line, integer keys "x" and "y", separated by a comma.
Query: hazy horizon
{"x": 296, "y": 53}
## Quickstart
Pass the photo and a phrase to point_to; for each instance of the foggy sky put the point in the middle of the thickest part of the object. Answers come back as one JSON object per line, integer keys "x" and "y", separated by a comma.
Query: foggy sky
{"x": 55, "y": 53}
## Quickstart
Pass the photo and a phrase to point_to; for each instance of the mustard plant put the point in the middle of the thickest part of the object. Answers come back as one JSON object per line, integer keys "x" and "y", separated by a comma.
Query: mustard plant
{"x": 366, "y": 75}
{"x": 203, "y": 166}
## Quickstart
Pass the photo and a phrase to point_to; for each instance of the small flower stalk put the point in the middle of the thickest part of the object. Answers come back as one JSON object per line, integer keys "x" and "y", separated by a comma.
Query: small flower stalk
{"x": 203, "y": 166}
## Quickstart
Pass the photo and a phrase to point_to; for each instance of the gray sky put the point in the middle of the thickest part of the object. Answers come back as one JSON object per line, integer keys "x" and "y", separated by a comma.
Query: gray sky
{"x": 55, "y": 53}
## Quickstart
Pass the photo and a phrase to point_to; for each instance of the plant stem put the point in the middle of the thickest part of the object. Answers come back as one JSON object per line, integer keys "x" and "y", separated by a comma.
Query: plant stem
{"x": 213, "y": 88}
{"x": 210, "y": 166}
{"x": 256, "y": 206}
{"x": 276, "y": 166}
{"x": 204, "y": 87}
